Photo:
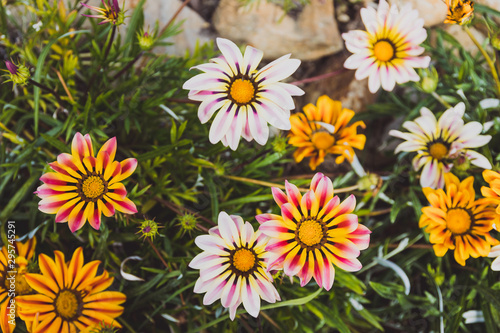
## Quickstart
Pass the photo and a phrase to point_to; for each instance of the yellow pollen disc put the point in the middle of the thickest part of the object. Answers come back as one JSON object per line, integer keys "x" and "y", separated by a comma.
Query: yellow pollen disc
{"x": 92, "y": 187}
{"x": 322, "y": 140}
{"x": 458, "y": 221}
{"x": 438, "y": 151}
{"x": 243, "y": 260}
{"x": 22, "y": 286}
{"x": 66, "y": 304}
{"x": 242, "y": 91}
{"x": 310, "y": 232}
{"x": 383, "y": 50}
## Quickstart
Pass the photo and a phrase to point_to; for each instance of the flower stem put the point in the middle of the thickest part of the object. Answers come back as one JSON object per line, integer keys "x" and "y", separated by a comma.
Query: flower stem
{"x": 269, "y": 184}
{"x": 110, "y": 42}
{"x": 184, "y": 4}
{"x": 441, "y": 100}
{"x": 47, "y": 89}
{"x": 494, "y": 72}
{"x": 130, "y": 64}
{"x": 319, "y": 77}
{"x": 159, "y": 254}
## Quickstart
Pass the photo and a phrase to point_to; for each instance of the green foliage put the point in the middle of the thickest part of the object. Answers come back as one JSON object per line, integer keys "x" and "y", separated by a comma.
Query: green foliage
{"x": 101, "y": 82}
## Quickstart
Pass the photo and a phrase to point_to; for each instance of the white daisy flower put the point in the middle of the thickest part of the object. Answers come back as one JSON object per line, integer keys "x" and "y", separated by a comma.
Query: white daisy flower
{"x": 387, "y": 52}
{"x": 233, "y": 266}
{"x": 438, "y": 143}
{"x": 246, "y": 99}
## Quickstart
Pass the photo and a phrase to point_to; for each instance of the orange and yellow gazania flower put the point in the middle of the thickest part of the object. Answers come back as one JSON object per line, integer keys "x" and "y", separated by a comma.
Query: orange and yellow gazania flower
{"x": 8, "y": 279}
{"x": 314, "y": 232}
{"x": 322, "y": 129}
{"x": 492, "y": 192}
{"x": 457, "y": 221}
{"x": 83, "y": 186}
{"x": 71, "y": 296}
{"x": 459, "y": 11}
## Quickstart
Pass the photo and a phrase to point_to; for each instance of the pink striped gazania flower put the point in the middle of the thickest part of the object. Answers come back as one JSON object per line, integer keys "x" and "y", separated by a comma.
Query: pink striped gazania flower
{"x": 441, "y": 143}
{"x": 246, "y": 98}
{"x": 83, "y": 186}
{"x": 233, "y": 266}
{"x": 314, "y": 232}
{"x": 111, "y": 13}
{"x": 387, "y": 52}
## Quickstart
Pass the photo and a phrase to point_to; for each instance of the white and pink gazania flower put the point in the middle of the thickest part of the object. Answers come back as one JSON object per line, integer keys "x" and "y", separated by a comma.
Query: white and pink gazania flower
{"x": 440, "y": 144}
{"x": 388, "y": 51}
{"x": 495, "y": 253}
{"x": 233, "y": 266}
{"x": 246, "y": 99}
{"x": 314, "y": 233}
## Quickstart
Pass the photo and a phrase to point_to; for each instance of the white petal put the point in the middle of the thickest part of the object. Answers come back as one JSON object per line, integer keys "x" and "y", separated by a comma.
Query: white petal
{"x": 228, "y": 229}
{"x": 231, "y": 54}
{"x": 251, "y": 59}
{"x": 204, "y": 82}
{"x": 274, "y": 115}
{"x": 258, "y": 127}
{"x": 221, "y": 123}
{"x": 478, "y": 159}
{"x": 211, "y": 104}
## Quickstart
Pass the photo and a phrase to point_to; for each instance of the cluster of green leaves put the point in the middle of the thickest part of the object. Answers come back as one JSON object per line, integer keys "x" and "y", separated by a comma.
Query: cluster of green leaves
{"x": 105, "y": 85}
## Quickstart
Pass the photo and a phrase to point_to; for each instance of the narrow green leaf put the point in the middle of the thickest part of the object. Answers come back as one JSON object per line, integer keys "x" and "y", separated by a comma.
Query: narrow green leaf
{"x": 56, "y": 143}
{"x": 17, "y": 197}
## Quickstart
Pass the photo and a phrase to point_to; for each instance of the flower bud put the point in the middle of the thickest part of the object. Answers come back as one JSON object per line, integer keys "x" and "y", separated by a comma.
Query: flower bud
{"x": 19, "y": 74}
{"x": 146, "y": 40}
{"x": 429, "y": 79}
{"x": 495, "y": 40}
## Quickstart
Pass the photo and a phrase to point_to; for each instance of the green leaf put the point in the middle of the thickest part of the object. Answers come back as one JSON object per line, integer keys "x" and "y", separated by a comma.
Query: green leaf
{"x": 17, "y": 197}
{"x": 38, "y": 72}
{"x": 292, "y": 302}
{"x": 56, "y": 143}
{"x": 386, "y": 291}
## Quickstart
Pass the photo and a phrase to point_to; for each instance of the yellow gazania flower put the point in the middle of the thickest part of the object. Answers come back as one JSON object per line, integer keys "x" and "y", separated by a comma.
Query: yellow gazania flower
{"x": 491, "y": 193}
{"x": 83, "y": 186}
{"x": 24, "y": 253}
{"x": 459, "y": 11}
{"x": 322, "y": 130}
{"x": 456, "y": 221}
{"x": 70, "y": 296}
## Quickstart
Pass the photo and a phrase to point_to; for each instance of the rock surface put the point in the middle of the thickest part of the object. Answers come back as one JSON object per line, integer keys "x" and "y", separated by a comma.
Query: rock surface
{"x": 312, "y": 35}
{"x": 432, "y": 11}
{"x": 193, "y": 28}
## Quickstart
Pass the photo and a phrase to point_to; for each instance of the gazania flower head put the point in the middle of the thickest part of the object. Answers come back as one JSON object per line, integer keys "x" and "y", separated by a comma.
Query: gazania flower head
{"x": 323, "y": 129}
{"x": 233, "y": 266}
{"x": 245, "y": 99}
{"x": 439, "y": 143}
{"x": 459, "y": 11}
{"x": 492, "y": 192}
{"x": 19, "y": 74}
{"x": 111, "y": 13}
{"x": 12, "y": 276}
{"x": 314, "y": 232}
{"x": 83, "y": 186}
{"x": 457, "y": 221}
{"x": 71, "y": 296}
{"x": 388, "y": 51}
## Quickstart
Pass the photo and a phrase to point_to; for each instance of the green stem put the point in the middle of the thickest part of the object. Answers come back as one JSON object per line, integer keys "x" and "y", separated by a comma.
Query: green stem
{"x": 494, "y": 72}
{"x": 441, "y": 100}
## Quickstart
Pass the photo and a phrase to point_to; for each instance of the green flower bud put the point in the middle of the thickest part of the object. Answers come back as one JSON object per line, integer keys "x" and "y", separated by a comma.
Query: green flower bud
{"x": 429, "y": 79}
{"x": 19, "y": 74}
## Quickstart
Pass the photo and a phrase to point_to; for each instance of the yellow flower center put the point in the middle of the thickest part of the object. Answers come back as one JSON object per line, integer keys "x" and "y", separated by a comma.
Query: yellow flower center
{"x": 322, "y": 140}
{"x": 310, "y": 232}
{"x": 458, "y": 221}
{"x": 242, "y": 91}
{"x": 93, "y": 187}
{"x": 22, "y": 286}
{"x": 438, "y": 151}
{"x": 66, "y": 304}
{"x": 383, "y": 50}
{"x": 243, "y": 260}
